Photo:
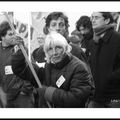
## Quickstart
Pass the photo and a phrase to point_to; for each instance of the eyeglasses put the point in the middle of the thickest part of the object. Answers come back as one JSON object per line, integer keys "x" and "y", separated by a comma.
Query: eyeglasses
{"x": 96, "y": 17}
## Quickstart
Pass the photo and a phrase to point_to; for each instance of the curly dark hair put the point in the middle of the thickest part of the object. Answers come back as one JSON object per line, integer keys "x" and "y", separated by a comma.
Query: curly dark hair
{"x": 4, "y": 27}
{"x": 85, "y": 22}
{"x": 55, "y": 16}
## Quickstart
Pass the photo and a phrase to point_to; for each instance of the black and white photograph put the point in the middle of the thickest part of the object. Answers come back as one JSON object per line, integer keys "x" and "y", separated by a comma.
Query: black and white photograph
{"x": 59, "y": 59}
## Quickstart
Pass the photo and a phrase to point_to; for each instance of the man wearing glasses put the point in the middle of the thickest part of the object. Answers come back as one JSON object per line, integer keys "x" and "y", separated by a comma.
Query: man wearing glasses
{"x": 105, "y": 62}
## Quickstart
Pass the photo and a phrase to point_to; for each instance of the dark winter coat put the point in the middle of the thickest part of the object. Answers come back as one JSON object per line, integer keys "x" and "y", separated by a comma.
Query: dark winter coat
{"x": 105, "y": 65}
{"x": 10, "y": 83}
{"x": 73, "y": 92}
{"x": 78, "y": 52}
{"x": 38, "y": 55}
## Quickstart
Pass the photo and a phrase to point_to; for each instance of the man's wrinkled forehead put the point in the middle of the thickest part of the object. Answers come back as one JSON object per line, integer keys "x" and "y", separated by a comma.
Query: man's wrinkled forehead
{"x": 58, "y": 19}
{"x": 97, "y": 14}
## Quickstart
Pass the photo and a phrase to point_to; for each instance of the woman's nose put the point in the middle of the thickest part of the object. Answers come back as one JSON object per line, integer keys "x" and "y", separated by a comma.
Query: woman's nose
{"x": 57, "y": 28}
{"x": 54, "y": 52}
{"x": 82, "y": 32}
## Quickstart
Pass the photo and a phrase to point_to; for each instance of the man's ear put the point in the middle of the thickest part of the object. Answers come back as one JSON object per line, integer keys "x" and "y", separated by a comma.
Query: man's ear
{"x": 107, "y": 21}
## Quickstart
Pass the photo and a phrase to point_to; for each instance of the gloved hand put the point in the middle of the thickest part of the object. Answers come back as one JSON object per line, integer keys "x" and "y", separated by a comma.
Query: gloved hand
{"x": 27, "y": 88}
{"x": 41, "y": 100}
{"x": 3, "y": 98}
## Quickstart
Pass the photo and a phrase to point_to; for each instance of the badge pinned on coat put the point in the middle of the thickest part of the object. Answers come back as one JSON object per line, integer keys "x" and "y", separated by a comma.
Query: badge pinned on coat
{"x": 60, "y": 81}
{"x": 8, "y": 70}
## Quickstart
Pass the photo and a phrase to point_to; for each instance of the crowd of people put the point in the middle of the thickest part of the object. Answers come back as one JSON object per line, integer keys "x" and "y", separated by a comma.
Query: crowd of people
{"x": 81, "y": 70}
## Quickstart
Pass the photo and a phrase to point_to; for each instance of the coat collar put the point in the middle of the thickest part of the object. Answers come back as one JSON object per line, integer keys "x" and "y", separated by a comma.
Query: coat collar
{"x": 61, "y": 64}
{"x": 107, "y": 35}
{"x": 6, "y": 47}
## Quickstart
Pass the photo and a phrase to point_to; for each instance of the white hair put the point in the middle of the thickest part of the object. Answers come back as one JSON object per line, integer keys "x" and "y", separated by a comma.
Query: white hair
{"x": 55, "y": 39}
